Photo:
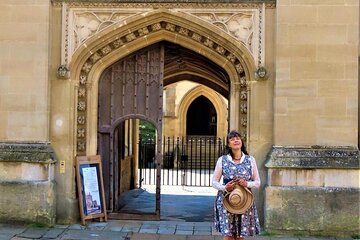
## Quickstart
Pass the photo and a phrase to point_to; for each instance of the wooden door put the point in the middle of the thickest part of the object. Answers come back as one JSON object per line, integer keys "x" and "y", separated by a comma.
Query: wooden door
{"x": 131, "y": 88}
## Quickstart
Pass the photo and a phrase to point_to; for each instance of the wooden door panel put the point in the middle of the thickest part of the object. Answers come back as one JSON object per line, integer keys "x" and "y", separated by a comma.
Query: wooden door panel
{"x": 130, "y": 88}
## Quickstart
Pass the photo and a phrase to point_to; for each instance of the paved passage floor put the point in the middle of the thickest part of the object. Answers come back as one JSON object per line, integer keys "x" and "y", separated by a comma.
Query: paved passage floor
{"x": 131, "y": 230}
{"x": 189, "y": 204}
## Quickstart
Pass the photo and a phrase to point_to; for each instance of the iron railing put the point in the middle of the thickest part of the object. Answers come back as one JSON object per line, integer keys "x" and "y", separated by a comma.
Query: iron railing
{"x": 187, "y": 161}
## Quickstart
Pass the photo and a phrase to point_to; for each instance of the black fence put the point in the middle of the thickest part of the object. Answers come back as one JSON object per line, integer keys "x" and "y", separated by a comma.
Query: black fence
{"x": 187, "y": 161}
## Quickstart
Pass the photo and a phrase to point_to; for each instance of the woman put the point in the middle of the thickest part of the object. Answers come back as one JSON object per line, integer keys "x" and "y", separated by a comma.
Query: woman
{"x": 237, "y": 167}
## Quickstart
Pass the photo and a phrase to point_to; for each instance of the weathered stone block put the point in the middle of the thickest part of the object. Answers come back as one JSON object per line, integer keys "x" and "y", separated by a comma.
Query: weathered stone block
{"x": 27, "y": 183}
{"x": 321, "y": 211}
{"x": 28, "y": 202}
{"x": 308, "y": 191}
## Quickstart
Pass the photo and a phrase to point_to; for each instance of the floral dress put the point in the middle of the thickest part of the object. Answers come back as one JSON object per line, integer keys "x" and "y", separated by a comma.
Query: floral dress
{"x": 230, "y": 224}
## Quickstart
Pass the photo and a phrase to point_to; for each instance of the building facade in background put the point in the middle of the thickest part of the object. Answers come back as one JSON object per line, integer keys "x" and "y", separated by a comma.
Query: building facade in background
{"x": 78, "y": 78}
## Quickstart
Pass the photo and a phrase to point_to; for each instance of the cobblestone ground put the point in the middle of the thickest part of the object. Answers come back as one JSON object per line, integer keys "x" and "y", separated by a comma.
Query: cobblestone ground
{"x": 130, "y": 230}
{"x": 185, "y": 214}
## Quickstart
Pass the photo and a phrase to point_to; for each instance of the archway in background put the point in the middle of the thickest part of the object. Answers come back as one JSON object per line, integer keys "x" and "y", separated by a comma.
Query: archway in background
{"x": 201, "y": 118}
{"x": 219, "y": 103}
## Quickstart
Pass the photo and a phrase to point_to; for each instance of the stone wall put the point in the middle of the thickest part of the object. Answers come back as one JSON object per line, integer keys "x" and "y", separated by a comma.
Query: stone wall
{"x": 313, "y": 191}
{"x": 24, "y": 61}
{"x": 316, "y": 89}
{"x": 312, "y": 210}
{"x": 313, "y": 178}
{"x": 27, "y": 178}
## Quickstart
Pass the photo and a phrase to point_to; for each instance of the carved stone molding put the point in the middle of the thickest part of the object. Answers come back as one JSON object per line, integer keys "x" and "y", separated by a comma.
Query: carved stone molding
{"x": 82, "y": 23}
{"x": 32, "y": 152}
{"x": 98, "y": 54}
{"x": 313, "y": 157}
{"x": 240, "y": 24}
{"x": 230, "y": 4}
{"x": 244, "y": 22}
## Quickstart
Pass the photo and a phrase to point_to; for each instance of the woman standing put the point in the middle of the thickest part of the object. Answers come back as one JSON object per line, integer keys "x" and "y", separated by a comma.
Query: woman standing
{"x": 237, "y": 167}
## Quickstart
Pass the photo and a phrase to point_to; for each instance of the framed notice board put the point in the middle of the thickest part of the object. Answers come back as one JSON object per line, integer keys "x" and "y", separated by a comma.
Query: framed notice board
{"x": 90, "y": 187}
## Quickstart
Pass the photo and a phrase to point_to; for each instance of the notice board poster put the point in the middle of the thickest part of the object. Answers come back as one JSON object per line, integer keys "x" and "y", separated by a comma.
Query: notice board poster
{"x": 90, "y": 188}
{"x": 90, "y": 179}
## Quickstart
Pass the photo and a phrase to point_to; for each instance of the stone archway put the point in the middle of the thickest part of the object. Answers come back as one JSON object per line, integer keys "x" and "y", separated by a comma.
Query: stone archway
{"x": 219, "y": 104}
{"x": 106, "y": 47}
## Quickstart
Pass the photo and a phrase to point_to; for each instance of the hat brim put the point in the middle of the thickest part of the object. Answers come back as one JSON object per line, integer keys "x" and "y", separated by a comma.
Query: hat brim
{"x": 245, "y": 204}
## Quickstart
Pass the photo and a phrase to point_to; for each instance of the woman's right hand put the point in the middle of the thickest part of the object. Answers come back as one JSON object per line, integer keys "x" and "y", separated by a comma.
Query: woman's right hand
{"x": 230, "y": 186}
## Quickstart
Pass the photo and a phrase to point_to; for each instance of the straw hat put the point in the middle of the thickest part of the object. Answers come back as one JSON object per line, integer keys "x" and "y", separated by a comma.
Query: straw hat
{"x": 239, "y": 200}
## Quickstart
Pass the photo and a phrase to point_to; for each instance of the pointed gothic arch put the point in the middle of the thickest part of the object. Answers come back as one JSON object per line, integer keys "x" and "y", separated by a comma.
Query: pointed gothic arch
{"x": 112, "y": 44}
{"x": 219, "y": 104}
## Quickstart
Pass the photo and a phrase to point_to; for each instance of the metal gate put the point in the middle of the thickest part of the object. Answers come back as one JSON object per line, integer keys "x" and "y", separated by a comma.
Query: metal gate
{"x": 187, "y": 161}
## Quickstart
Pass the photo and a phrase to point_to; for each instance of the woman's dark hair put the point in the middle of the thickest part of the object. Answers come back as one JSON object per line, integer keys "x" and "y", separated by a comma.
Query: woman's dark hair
{"x": 232, "y": 134}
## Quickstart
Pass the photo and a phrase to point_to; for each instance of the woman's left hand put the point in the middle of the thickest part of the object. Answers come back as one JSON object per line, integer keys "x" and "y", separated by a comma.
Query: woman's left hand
{"x": 243, "y": 182}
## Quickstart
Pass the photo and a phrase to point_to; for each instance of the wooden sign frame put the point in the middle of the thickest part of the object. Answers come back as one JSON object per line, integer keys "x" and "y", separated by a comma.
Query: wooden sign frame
{"x": 90, "y": 188}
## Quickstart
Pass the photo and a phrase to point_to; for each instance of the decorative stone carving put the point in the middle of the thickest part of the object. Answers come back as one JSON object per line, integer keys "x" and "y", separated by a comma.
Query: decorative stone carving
{"x": 105, "y": 50}
{"x": 81, "y": 106}
{"x": 243, "y": 122}
{"x": 95, "y": 57}
{"x": 87, "y": 67}
{"x": 83, "y": 79}
{"x": 243, "y": 82}
{"x": 183, "y": 31}
{"x": 81, "y": 133}
{"x": 81, "y": 146}
{"x": 243, "y": 108}
{"x": 63, "y": 72}
{"x": 122, "y": 40}
{"x": 196, "y": 37}
{"x": 239, "y": 24}
{"x": 220, "y": 49}
{"x": 130, "y": 37}
{"x": 242, "y": 20}
{"x": 156, "y": 26}
{"x": 87, "y": 23}
{"x": 143, "y": 31}
{"x": 243, "y": 95}
{"x": 231, "y": 57}
{"x": 170, "y": 27}
{"x": 208, "y": 43}
{"x": 117, "y": 43}
{"x": 81, "y": 92}
{"x": 243, "y": 135}
{"x": 239, "y": 68}
{"x": 81, "y": 120}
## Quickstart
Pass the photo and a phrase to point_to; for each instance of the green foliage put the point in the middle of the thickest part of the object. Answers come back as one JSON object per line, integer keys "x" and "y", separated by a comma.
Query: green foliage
{"x": 147, "y": 131}
{"x": 356, "y": 236}
{"x": 38, "y": 225}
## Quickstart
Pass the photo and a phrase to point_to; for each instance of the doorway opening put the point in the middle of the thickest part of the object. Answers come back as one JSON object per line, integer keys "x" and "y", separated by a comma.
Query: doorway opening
{"x": 130, "y": 116}
{"x": 132, "y": 136}
{"x": 201, "y": 118}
